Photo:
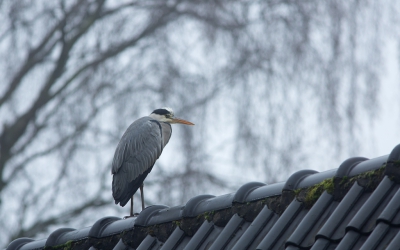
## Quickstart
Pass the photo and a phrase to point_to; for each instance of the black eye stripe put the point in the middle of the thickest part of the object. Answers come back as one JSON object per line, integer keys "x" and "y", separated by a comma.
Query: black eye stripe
{"x": 162, "y": 112}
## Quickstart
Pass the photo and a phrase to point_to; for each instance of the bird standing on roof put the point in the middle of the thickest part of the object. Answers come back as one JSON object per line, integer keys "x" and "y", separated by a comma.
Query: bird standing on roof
{"x": 138, "y": 150}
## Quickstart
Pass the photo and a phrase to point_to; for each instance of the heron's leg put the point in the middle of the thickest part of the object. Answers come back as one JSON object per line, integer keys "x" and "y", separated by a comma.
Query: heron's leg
{"x": 132, "y": 206}
{"x": 142, "y": 196}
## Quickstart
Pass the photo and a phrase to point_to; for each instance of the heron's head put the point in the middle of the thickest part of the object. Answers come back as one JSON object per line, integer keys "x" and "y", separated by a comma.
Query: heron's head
{"x": 167, "y": 115}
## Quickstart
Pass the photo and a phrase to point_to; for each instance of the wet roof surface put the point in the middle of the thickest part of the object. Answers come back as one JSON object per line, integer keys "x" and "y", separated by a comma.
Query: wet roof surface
{"x": 355, "y": 206}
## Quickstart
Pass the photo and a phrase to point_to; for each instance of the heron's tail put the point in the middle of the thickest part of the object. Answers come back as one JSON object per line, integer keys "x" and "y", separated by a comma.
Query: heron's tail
{"x": 123, "y": 190}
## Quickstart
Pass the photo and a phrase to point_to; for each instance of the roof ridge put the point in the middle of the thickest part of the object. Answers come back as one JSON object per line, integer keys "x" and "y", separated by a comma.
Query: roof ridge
{"x": 307, "y": 194}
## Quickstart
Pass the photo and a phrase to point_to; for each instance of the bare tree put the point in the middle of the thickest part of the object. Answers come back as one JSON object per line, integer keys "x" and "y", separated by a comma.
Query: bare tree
{"x": 76, "y": 73}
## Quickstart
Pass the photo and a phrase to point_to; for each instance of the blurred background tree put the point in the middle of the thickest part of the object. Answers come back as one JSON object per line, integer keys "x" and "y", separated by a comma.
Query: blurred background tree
{"x": 269, "y": 84}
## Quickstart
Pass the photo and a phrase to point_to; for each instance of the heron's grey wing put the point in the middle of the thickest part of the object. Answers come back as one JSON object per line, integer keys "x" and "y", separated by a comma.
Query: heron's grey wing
{"x": 138, "y": 149}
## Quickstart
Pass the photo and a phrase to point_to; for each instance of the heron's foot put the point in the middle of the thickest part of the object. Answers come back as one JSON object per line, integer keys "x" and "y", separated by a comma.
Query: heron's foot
{"x": 129, "y": 216}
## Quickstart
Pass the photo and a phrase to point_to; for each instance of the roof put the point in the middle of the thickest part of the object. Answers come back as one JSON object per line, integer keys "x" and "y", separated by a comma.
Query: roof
{"x": 355, "y": 206}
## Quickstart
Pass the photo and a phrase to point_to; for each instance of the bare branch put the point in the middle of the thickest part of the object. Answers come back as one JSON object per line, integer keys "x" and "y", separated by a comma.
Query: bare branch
{"x": 37, "y": 55}
{"x": 41, "y": 225}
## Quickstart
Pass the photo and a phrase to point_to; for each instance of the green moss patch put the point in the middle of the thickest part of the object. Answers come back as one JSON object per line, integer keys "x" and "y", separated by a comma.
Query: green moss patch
{"x": 338, "y": 187}
{"x": 66, "y": 246}
{"x": 369, "y": 180}
{"x": 311, "y": 194}
{"x": 316, "y": 191}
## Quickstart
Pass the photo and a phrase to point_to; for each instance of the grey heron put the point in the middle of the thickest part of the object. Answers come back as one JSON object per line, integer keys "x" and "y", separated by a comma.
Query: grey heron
{"x": 138, "y": 150}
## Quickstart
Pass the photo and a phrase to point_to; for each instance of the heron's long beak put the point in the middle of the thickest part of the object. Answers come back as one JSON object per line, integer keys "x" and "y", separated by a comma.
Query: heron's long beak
{"x": 181, "y": 121}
